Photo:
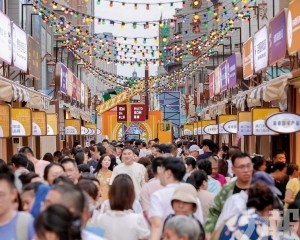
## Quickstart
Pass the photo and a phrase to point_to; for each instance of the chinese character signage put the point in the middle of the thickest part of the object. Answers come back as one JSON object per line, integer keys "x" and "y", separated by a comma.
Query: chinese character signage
{"x": 63, "y": 78}
{"x": 224, "y": 75}
{"x": 211, "y": 129}
{"x": 188, "y": 130}
{"x": 52, "y": 126}
{"x": 122, "y": 113}
{"x": 234, "y": 69}
{"x": 293, "y": 27}
{"x": 5, "y": 121}
{"x": 5, "y": 39}
{"x": 231, "y": 126}
{"x": 277, "y": 38}
{"x": 211, "y": 86}
{"x": 248, "y": 58}
{"x": 259, "y": 117}
{"x": 245, "y": 123}
{"x": 21, "y": 122}
{"x": 284, "y": 122}
{"x": 138, "y": 112}
{"x": 222, "y": 119}
{"x": 19, "y": 48}
{"x": 205, "y": 123}
{"x": 39, "y": 123}
{"x": 261, "y": 49}
{"x": 72, "y": 126}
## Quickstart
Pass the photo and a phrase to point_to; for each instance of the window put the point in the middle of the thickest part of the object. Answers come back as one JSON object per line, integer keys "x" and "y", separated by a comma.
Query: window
{"x": 179, "y": 27}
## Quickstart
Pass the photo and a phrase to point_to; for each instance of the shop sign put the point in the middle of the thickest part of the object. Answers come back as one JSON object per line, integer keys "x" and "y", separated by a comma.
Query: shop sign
{"x": 21, "y": 122}
{"x": 234, "y": 69}
{"x": 205, "y": 123}
{"x": 261, "y": 49}
{"x": 92, "y": 128}
{"x": 5, "y": 120}
{"x": 78, "y": 90}
{"x": 199, "y": 129}
{"x": 52, "y": 127}
{"x": 259, "y": 117}
{"x": 248, "y": 58}
{"x": 211, "y": 129}
{"x": 188, "y": 129}
{"x": 231, "y": 126}
{"x": 277, "y": 38}
{"x": 224, "y": 75}
{"x": 293, "y": 27}
{"x": 217, "y": 81}
{"x": 211, "y": 86}
{"x": 72, "y": 126}
{"x": 195, "y": 128}
{"x": 121, "y": 113}
{"x": 138, "y": 112}
{"x": 84, "y": 130}
{"x": 98, "y": 131}
{"x": 82, "y": 90}
{"x": 222, "y": 119}
{"x": 74, "y": 85}
{"x": 245, "y": 123}
{"x": 284, "y": 122}
{"x": 63, "y": 78}
{"x": 5, "y": 39}
{"x": 19, "y": 48}
{"x": 39, "y": 123}
{"x": 34, "y": 58}
{"x": 70, "y": 84}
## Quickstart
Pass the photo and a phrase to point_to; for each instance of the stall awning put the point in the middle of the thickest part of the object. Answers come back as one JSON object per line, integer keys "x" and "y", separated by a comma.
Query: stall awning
{"x": 11, "y": 91}
{"x": 214, "y": 110}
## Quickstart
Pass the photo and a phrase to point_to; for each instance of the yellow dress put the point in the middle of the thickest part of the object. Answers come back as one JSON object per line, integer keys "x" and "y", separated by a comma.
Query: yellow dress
{"x": 104, "y": 178}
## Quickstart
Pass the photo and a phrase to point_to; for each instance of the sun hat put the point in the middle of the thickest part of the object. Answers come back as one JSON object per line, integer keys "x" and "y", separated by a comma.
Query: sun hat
{"x": 185, "y": 193}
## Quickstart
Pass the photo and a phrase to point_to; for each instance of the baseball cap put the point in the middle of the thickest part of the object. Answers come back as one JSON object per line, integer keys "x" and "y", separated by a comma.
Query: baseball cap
{"x": 194, "y": 148}
{"x": 185, "y": 193}
{"x": 267, "y": 179}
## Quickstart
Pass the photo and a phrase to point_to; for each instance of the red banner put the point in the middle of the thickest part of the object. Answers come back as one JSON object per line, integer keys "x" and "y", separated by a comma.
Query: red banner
{"x": 122, "y": 113}
{"x": 138, "y": 112}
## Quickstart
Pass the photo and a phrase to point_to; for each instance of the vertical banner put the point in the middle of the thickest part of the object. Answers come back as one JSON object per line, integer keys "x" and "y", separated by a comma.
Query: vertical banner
{"x": 5, "y": 120}
{"x": 188, "y": 129}
{"x": 21, "y": 122}
{"x": 52, "y": 124}
{"x": 245, "y": 123}
{"x": 5, "y": 39}
{"x": 277, "y": 38}
{"x": 63, "y": 78}
{"x": 211, "y": 79}
{"x": 78, "y": 90}
{"x": 70, "y": 84}
{"x": 261, "y": 49}
{"x": 259, "y": 117}
{"x": 224, "y": 75}
{"x": 72, "y": 126}
{"x": 137, "y": 112}
{"x": 222, "y": 119}
{"x": 121, "y": 113}
{"x": 293, "y": 27}
{"x": 82, "y": 90}
{"x": 74, "y": 86}
{"x": 39, "y": 123}
{"x": 20, "y": 53}
{"x": 86, "y": 95}
{"x": 217, "y": 81}
{"x": 234, "y": 69}
{"x": 34, "y": 58}
{"x": 248, "y": 58}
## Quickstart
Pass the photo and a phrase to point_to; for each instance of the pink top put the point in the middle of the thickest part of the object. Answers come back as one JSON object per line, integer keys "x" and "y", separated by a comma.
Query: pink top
{"x": 39, "y": 167}
{"x": 221, "y": 179}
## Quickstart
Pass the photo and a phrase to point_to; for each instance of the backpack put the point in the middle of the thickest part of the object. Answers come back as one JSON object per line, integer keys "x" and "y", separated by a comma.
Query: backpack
{"x": 23, "y": 225}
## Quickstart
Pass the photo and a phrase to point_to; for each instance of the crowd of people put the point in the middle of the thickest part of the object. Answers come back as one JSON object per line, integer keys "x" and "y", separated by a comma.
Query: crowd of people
{"x": 136, "y": 190}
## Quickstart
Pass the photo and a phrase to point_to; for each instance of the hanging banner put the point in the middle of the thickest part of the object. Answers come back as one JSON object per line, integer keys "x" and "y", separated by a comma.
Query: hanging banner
{"x": 188, "y": 129}
{"x": 222, "y": 119}
{"x": 211, "y": 129}
{"x": 234, "y": 69}
{"x": 284, "y": 122}
{"x": 82, "y": 90}
{"x": 34, "y": 58}
{"x": 199, "y": 129}
{"x": 5, "y": 39}
{"x": 19, "y": 48}
{"x": 245, "y": 123}
{"x": 231, "y": 126}
{"x": 121, "y": 113}
{"x": 70, "y": 84}
{"x": 52, "y": 126}
{"x": 39, "y": 123}
{"x": 86, "y": 95}
{"x": 195, "y": 126}
{"x": 21, "y": 122}
{"x": 63, "y": 78}
{"x": 248, "y": 58}
{"x": 293, "y": 27}
{"x": 74, "y": 86}
{"x": 137, "y": 112}
{"x": 72, "y": 126}
{"x": 5, "y": 120}
{"x": 261, "y": 49}
{"x": 211, "y": 86}
{"x": 277, "y": 38}
{"x": 78, "y": 90}
{"x": 259, "y": 117}
{"x": 217, "y": 81}
{"x": 224, "y": 75}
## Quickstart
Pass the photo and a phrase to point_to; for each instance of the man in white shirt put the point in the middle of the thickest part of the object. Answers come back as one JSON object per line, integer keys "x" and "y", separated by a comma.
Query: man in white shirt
{"x": 170, "y": 174}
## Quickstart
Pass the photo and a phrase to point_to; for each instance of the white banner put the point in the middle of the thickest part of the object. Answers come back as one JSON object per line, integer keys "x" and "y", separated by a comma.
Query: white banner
{"x": 19, "y": 48}
{"x": 5, "y": 39}
{"x": 261, "y": 49}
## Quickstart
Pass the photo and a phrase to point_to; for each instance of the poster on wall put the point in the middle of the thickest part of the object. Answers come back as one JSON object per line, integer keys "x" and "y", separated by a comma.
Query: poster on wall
{"x": 19, "y": 48}
{"x": 5, "y": 39}
{"x": 21, "y": 122}
{"x": 261, "y": 49}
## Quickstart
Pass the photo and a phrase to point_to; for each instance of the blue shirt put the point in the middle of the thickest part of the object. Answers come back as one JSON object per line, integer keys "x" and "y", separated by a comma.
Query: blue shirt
{"x": 9, "y": 230}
